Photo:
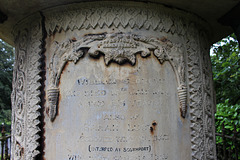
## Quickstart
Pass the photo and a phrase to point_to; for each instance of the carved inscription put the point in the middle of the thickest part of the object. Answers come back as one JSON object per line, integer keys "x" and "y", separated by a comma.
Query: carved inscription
{"x": 120, "y": 157}
{"x": 118, "y": 47}
{"x": 117, "y": 112}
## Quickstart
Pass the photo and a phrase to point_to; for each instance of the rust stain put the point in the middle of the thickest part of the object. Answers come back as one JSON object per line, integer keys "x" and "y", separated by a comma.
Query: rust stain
{"x": 181, "y": 113}
{"x": 153, "y": 127}
{"x": 53, "y": 35}
{"x": 59, "y": 100}
{"x": 74, "y": 39}
{"x": 64, "y": 68}
{"x": 47, "y": 111}
{"x": 21, "y": 149}
{"x": 164, "y": 39}
{"x": 152, "y": 131}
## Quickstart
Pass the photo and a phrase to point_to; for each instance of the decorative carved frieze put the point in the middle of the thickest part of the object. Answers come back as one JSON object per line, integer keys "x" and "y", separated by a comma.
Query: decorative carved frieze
{"x": 119, "y": 48}
{"x": 116, "y": 15}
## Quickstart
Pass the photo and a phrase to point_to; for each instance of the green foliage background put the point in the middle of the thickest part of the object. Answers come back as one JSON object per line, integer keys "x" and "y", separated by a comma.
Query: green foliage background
{"x": 6, "y": 68}
{"x": 226, "y": 70}
{"x": 226, "y": 75}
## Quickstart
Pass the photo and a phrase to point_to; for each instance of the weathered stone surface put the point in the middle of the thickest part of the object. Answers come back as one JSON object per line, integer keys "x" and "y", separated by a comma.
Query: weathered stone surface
{"x": 112, "y": 112}
{"x": 209, "y": 10}
{"x": 27, "y": 90}
{"x": 120, "y": 81}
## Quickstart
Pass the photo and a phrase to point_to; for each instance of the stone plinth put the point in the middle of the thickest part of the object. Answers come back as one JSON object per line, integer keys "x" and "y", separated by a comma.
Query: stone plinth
{"x": 112, "y": 81}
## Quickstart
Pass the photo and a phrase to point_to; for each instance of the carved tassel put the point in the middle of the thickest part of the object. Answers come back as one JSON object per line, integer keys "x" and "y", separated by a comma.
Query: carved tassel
{"x": 182, "y": 94}
{"x": 52, "y": 100}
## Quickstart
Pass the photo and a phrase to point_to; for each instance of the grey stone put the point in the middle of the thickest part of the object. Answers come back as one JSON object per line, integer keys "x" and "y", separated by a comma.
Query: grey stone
{"x": 113, "y": 81}
{"x": 208, "y": 10}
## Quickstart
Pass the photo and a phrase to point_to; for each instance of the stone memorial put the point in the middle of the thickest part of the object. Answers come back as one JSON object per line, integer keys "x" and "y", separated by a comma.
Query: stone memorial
{"x": 112, "y": 81}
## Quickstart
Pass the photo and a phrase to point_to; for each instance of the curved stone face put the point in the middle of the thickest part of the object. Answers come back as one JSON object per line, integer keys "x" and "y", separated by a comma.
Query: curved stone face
{"x": 107, "y": 112}
{"x": 121, "y": 81}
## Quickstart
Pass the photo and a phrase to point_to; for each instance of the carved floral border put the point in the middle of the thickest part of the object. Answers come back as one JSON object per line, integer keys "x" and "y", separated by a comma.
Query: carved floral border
{"x": 200, "y": 94}
{"x": 26, "y": 89}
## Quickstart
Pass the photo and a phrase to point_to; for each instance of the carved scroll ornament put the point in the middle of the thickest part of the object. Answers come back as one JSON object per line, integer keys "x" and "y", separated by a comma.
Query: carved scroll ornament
{"x": 26, "y": 94}
{"x": 119, "y": 48}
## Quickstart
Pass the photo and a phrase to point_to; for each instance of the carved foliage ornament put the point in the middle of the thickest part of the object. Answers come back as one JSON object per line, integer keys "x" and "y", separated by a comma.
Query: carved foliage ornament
{"x": 119, "y": 48}
{"x": 26, "y": 90}
{"x": 201, "y": 105}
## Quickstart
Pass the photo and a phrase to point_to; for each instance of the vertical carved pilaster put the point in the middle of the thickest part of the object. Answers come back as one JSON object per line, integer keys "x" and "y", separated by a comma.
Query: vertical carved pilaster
{"x": 208, "y": 105}
{"x": 26, "y": 89}
{"x": 201, "y": 99}
{"x": 19, "y": 97}
{"x": 195, "y": 93}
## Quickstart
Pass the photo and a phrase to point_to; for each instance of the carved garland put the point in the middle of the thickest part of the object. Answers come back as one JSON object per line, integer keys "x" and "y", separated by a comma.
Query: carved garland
{"x": 119, "y": 48}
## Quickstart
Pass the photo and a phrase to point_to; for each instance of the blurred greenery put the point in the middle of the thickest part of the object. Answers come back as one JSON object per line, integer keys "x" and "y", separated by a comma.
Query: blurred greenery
{"x": 226, "y": 75}
{"x": 229, "y": 115}
{"x": 6, "y": 68}
{"x": 226, "y": 70}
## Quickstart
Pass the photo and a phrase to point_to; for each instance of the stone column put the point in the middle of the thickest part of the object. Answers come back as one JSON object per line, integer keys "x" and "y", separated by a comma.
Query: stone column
{"x": 113, "y": 81}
